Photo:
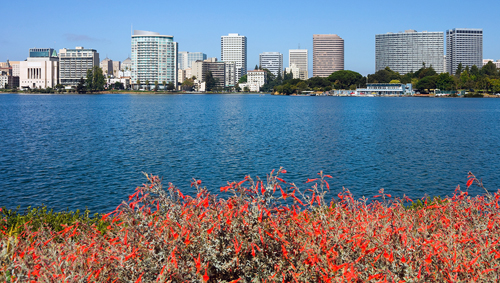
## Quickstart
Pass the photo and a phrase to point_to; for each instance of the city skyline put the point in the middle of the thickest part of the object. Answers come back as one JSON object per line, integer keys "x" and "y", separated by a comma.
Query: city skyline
{"x": 108, "y": 29}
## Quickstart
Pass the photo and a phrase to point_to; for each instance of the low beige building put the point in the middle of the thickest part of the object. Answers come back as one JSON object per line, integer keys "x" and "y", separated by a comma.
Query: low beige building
{"x": 116, "y": 68}
{"x": 40, "y": 70}
{"x": 107, "y": 67}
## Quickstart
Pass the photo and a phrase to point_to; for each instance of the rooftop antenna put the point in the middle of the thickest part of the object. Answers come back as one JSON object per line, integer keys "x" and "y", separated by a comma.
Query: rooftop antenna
{"x": 299, "y": 45}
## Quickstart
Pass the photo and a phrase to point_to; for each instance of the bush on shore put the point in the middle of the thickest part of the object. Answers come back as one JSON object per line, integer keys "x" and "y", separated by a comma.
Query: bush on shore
{"x": 266, "y": 232}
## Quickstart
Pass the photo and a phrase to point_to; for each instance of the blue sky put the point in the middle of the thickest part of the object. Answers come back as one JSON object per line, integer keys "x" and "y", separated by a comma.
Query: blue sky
{"x": 270, "y": 26}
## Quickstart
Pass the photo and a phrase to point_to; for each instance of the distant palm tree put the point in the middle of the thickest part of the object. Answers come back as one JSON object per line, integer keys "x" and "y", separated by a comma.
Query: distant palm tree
{"x": 138, "y": 84}
{"x": 147, "y": 84}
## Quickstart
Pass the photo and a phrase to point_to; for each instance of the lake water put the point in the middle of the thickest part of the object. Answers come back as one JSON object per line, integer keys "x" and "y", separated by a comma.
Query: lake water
{"x": 77, "y": 151}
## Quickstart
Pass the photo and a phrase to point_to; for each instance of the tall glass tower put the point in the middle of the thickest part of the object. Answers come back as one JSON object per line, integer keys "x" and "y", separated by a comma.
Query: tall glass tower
{"x": 154, "y": 58}
{"x": 234, "y": 49}
{"x": 463, "y": 45}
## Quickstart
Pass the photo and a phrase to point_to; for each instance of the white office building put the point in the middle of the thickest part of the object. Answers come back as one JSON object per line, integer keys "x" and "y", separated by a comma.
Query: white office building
{"x": 74, "y": 63}
{"x": 409, "y": 51}
{"x": 299, "y": 58}
{"x": 154, "y": 58}
{"x": 256, "y": 79}
{"x": 294, "y": 70}
{"x": 40, "y": 70}
{"x": 273, "y": 61}
{"x": 186, "y": 59}
{"x": 234, "y": 49}
{"x": 463, "y": 46}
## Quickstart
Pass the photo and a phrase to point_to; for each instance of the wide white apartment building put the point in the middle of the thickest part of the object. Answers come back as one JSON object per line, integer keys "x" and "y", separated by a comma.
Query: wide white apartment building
{"x": 74, "y": 63}
{"x": 273, "y": 61}
{"x": 186, "y": 59}
{"x": 496, "y": 63}
{"x": 234, "y": 49}
{"x": 40, "y": 70}
{"x": 299, "y": 58}
{"x": 256, "y": 79}
{"x": 407, "y": 52}
{"x": 154, "y": 58}
{"x": 465, "y": 46}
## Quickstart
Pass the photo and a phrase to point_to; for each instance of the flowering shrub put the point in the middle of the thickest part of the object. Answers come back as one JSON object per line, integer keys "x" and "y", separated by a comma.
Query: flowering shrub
{"x": 266, "y": 232}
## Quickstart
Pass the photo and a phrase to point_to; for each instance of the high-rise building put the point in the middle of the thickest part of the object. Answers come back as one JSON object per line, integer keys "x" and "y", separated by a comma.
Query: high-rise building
{"x": 234, "y": 49}
{"x": 407, "y": 52}
{"x": 74, "y": 63}
{"x": 154, "y": 58}
{"x": 298, "y": 57}
{"x": 273, "y": 61}
{"x": 328, "y": 54}
{"x": 40, "y": 70}
{"x": 186, "y": 59}
{"x": 465, "y": 46}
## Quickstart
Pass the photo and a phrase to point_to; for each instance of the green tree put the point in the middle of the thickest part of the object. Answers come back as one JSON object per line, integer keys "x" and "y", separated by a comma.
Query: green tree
{"x": 89, "y": 81}
{"x": 426, "y": 84}
{"x": 59, "y": 87}
{"x": 256, "y": 67}
{"x": 246, "y": 89}
{"x": 474, "y": 71}
{"x": 156, "y": 86}
{"x": 170, "y": 86}
{"x": 301, "y": 86}
{"x": 495, "y": 85}
{"x": 118, "y": 85}
{"x": 80, "y": 87}
{"x": 187, "y": 85}
{"x": 445, "y": 82}
{"x": 345, "y": 79}
{"x": 147, "y": 84}
{"x": 243, "y": 79}
{"x": 95, "y": 79}
{"x": 287, "y": 76}
{"x": 210, "y": 81}
{"x": 459, "y": 70}
{"x": 384, "y": 76}
{"x": 164, "y": 83}
{"x": 489, "y": 69}
{"x": 424, "y": 72}
{"x": 138, "y": 83}
{"x": 318, "y": 83}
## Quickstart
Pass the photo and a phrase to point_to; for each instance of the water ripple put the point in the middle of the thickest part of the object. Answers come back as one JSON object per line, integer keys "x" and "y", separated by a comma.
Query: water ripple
{"x": 80, "y": 151}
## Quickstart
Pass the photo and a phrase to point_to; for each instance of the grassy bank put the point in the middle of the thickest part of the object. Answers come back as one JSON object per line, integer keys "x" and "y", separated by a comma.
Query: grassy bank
{"x": 269, "y": 231}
